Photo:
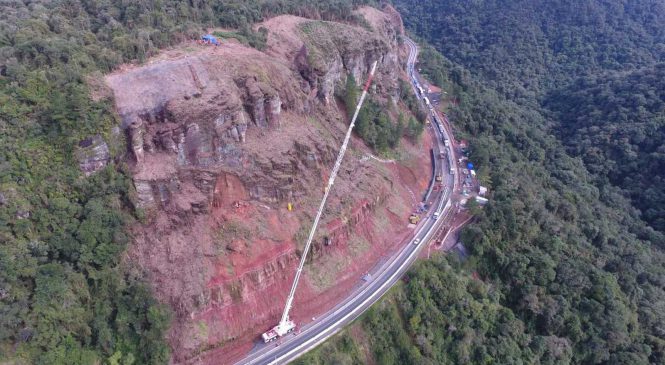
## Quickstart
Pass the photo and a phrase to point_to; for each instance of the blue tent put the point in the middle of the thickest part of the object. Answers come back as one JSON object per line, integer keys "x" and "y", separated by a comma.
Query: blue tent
{"x": 209, "y": 38}
{"x": 469, "y": 166}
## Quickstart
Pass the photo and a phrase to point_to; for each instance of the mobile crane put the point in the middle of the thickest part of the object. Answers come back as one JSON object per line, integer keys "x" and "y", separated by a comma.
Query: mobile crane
{"x": 286, "y": 325}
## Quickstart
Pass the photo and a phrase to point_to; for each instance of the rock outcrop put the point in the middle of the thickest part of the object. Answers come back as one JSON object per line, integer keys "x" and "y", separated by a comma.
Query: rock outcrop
{"x": 221, "y": 140}
{"x": 92, "y": 155}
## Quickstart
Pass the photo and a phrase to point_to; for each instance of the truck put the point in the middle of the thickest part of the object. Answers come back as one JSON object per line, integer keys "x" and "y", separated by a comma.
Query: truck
{"x": 439, "y": 178}
{"x": 446, "y": 142}
{"x": 442, "y": 154}
{"x": 414, "y": 219}
{"x": 278, "y": 331}
{"x": 426, "y": 101}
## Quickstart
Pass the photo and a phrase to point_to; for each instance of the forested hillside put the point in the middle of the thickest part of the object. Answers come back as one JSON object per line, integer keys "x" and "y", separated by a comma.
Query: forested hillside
{"x": 66, "y": 297}
{"x": 524, "y": 48}
{"x": 616, "y": 123}
{"x": 530, "y": 51}
{"x": 564, "y": 267}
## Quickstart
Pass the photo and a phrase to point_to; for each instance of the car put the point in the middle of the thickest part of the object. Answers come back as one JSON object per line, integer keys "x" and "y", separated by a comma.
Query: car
{"x": 436, "y": 215}
{"x": 416, "y": 241}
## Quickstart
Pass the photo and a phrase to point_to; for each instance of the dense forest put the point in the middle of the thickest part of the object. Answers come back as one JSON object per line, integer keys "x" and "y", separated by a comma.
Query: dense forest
{"x": 616, "y": 123}
{"x": 562, "y": 104}
{"x": 531, "y": 51}
{"x": 66, "y": 297}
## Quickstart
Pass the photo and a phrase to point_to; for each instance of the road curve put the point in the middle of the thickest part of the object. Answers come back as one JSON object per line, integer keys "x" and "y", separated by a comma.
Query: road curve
{"x": 383, "y": 278}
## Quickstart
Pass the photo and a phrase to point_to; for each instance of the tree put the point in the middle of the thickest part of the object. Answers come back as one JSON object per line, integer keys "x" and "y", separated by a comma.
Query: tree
{"x": 350, "y": 95}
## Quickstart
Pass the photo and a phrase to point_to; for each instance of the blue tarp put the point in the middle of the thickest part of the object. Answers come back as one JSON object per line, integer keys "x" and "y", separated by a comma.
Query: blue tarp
{"x": 210, "y": 39}
{"x": 469, "y": 166}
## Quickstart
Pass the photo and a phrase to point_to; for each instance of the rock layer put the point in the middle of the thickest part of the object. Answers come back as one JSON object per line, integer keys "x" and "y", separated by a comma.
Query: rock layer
{"x": 221, "y": 140}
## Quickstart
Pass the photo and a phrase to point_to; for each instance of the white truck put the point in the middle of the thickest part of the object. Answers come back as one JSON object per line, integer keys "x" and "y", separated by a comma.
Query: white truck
{"x": 278, "y": 331}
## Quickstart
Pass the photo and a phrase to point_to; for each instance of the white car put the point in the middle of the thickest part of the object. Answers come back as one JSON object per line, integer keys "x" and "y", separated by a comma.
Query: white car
{"x": 416, "y": 241}
{"x": 436, "y": 215}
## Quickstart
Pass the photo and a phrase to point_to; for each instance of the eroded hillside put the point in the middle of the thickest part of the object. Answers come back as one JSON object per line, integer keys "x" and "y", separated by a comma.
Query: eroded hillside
{"x": 222, "y": 139}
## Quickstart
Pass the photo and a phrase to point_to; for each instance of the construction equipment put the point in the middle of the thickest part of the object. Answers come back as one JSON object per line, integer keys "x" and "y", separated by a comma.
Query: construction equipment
{"x": 414, "y": 219}
{"x": 210, "y": 39}
{"x": 278, "y": 331}
{"x": 285, "y": 325}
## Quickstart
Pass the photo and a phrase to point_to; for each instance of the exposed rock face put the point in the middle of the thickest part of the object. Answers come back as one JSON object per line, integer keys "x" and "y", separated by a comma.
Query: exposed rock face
{"x": 331, "y": 51}
{"x": 222, "y": 140}
{"x": 92, "y": 154}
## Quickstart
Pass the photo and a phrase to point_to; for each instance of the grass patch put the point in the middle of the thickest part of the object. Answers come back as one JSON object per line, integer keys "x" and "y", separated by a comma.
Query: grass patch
{"x": 236, "y": 292}
{"x": 230, "y": 231}
{"x": 202, "y": 329}
{"x": 358, "y": 245}
{"x": 322, "y": 275}
{"x": 231, "y": 35}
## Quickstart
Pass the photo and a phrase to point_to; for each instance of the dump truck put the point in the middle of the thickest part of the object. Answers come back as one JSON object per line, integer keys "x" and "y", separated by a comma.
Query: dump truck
{"x": 414, "y": 219}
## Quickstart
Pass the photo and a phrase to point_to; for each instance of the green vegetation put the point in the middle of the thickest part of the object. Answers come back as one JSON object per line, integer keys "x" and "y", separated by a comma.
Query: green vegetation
{"x": 340, "y": 350}
{"x": 566, "y": 269}
{"x": 616, "y": 124}
{"x": 247, "y": 36}
{"x": 231, "y": 231}
{"x": 409, "y": 99}
{"x": 374, "y": 124}
{"x": 65, "y": 296}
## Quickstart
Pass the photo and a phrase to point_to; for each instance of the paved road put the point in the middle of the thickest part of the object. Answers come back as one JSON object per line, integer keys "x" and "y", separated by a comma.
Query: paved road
{"x": 311, "y": 335}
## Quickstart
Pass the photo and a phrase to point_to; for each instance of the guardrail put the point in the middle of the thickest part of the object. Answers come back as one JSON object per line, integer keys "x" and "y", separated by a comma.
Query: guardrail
{"x": 432, "y": 179}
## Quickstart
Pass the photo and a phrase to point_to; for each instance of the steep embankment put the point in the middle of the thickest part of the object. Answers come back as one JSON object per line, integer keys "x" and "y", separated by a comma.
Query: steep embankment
{"x": 222, "y": 139}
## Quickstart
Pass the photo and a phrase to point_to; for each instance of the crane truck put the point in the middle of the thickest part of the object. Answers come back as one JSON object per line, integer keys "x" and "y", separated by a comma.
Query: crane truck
{"x": 278, "y": 331}
{"x": 286, "y": 325}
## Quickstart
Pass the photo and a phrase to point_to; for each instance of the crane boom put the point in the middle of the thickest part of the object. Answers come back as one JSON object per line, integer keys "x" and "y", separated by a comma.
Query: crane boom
{"x": 340, "y": 156}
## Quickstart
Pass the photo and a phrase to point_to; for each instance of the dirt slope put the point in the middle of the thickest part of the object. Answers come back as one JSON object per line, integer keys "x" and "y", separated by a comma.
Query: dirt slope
{"x": 222, "y": 139}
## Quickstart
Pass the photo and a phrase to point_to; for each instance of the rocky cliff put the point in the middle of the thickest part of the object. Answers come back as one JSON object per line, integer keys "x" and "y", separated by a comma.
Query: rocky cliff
{"x": 222, "y": 139}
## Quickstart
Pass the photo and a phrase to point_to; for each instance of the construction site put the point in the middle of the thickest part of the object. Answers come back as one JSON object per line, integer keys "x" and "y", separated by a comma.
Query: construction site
{"x": 231, "y": 149}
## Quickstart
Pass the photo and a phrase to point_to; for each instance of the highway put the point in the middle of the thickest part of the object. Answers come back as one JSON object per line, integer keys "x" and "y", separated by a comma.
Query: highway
{"x": 384, "y": 277}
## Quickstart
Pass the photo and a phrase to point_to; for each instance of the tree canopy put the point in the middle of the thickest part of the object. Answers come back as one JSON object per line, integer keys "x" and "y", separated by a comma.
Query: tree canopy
{"x": 561, "y": 103}
{"x": 65, "y": 295}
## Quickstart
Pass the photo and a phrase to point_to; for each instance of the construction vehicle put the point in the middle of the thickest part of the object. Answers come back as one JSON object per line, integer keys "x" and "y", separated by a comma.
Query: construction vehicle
{"x": 278, "y": 331}
{"x": 285, "y": 324}
{"x": 414, "y": 219}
